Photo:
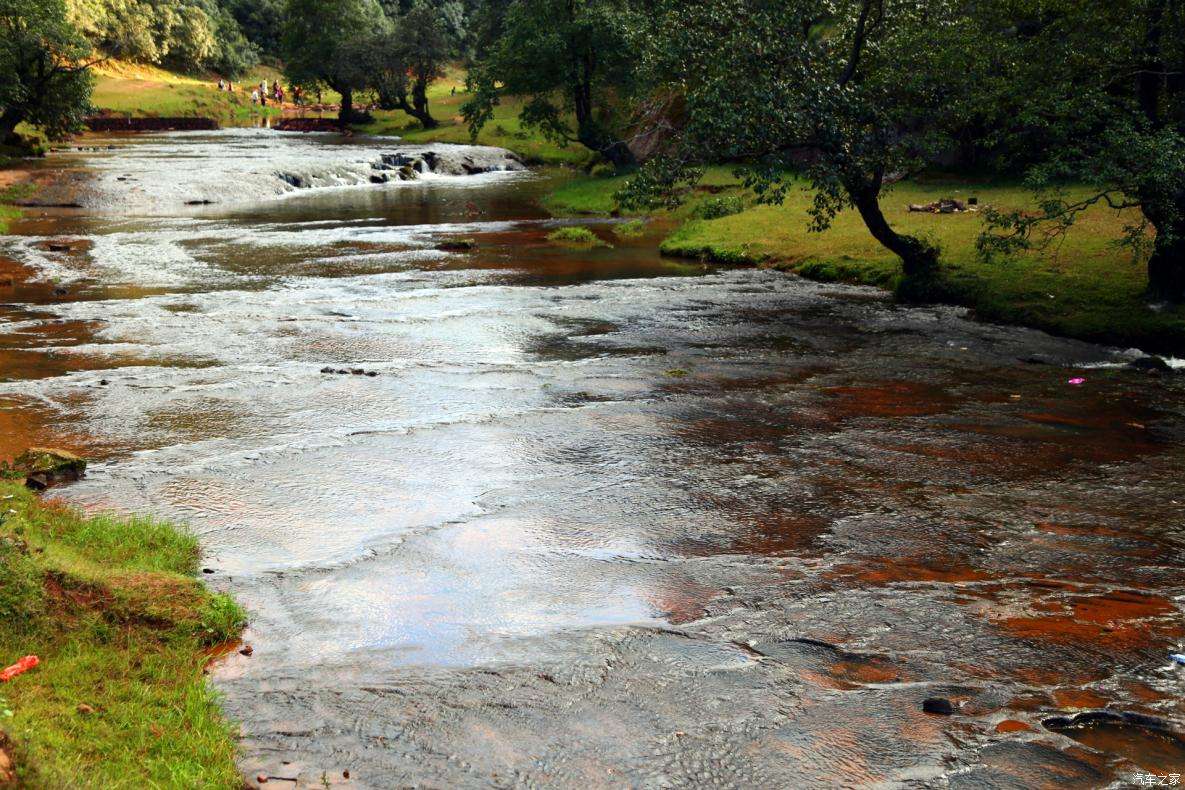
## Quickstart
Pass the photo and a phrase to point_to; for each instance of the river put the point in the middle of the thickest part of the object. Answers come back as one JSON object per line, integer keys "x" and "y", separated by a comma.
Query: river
{"x": 598, "y": 518}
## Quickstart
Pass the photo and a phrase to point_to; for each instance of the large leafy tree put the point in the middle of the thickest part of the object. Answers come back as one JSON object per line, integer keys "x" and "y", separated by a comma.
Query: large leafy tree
{"x": 261, "y": 22}
{"x": 856, "y": 94}
{"x": 1096, "y": 95}
{"x": 402, "y": 64}
{"x": 572, "y": 60}
{"x": 325, "y": 43}
{"x": 183, "y": 34}
{"x": 44, "y": 68}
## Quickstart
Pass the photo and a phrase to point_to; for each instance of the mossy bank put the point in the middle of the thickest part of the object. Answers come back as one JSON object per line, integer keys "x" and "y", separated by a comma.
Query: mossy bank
{"x": 123, "y": 631}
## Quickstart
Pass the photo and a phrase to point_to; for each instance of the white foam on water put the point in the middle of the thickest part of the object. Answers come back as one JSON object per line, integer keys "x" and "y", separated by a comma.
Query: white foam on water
{"x": 157, "y": 176}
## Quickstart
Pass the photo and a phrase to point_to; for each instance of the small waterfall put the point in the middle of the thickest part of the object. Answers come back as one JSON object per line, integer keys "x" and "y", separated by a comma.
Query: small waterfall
{"x": 156, "y": 174}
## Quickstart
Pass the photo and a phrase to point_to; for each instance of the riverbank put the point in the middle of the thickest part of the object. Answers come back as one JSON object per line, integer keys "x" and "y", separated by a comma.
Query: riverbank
{"x": 1085, "y": 286}
{"x": 142, "y": 91}
{"x": 145, "y": 91}
{"x": 123, "y": 632}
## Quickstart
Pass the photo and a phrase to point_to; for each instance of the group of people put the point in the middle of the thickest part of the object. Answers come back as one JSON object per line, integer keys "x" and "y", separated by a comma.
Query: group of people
{"x": 261, "y": 94}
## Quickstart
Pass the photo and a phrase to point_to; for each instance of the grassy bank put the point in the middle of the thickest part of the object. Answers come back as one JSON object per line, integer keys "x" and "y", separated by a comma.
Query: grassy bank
{"x": 146, "y": 91}
{"x": 139, "y": 91}
{"x": 504, "y": 130}
{"x": 9, "y": 194}
{"x": 121, "y": 626}
{"x": 1085, "y": 286}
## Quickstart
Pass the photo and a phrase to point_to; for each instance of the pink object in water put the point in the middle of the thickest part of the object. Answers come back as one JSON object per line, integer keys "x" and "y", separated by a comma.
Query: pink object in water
{"x": 1076, "y": 382}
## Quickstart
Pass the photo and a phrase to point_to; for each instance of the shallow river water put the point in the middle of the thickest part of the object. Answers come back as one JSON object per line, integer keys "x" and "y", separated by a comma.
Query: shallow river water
{"x": 600, "y": 518}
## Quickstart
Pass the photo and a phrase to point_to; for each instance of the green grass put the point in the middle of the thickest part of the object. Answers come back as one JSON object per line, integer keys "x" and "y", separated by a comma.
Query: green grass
{"x": 7, "y": 214}
{"x": 633, "y": 229}
{"x": 147, "y": 92}
{"x": 594, "y": 196}
{"x": 111, "y": 607}
{"x": 10, "y": 195}
{"x": 445, "y": 97}
{"x": 576, "y": 237}
{"x": 144, "y": 91}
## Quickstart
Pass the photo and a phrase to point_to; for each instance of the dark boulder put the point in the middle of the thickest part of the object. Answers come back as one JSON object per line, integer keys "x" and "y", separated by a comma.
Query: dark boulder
{"x": 939, "y": 706}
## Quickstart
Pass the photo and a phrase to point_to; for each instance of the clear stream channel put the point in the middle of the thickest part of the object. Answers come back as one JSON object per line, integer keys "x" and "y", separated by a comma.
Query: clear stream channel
{"x": 601, "y": 519}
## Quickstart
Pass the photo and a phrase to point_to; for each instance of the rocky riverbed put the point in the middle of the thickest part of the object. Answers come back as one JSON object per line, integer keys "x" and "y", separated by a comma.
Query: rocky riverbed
{"x": 599, "y": 518}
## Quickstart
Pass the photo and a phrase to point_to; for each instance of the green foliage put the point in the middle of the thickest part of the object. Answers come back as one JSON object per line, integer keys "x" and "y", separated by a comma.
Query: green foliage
{"x": 260, "y": 21}
{"x": 21, "y": 584}
{"x": 401, "y": 65}
{"x": 1097, "y": 87}
{"x": 1083, "y": 287}
{"x": 325, "y": 42}
{"x": 221, "y": 619}
{"x": 717, "y": 207}
{"x": 183, "y": 34}
{"x": 630, "y": 230}
{"x": 570, "y": 61}
{"x": 46, "y": 80}
{"x": 603, "y": 170}
{"x": 845, "y": 82}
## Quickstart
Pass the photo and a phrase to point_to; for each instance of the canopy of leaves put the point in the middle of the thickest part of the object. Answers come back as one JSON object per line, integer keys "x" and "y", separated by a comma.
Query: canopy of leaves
{"x": 183, "y": 34}
{"x": 573, "y": 59}
{"x": 854, "y": 92}
{"x": 1094, "y": 93}
{"x": 325, "y": 41}
{"x": 44, "y": 62}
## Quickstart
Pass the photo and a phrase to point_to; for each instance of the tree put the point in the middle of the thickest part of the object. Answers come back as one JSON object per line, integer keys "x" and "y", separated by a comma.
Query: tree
{"x": 43, "y": 59}
{"x": 261, "y": 22}
{"x": 324, "y": 42}
{"x": 234, "y": 54}
{"x": 856, "y": 94}
{"x": 570, "y": 58}
{"x": 1103, "y": 87}
{"x": 404, "y": 63}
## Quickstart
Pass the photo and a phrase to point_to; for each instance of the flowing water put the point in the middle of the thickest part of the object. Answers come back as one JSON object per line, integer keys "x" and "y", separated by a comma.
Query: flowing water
{"x": 598, "y": 518}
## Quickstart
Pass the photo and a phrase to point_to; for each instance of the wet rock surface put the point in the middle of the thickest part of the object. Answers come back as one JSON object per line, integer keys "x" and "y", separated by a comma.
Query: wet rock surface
{"x": 526, "y": 554}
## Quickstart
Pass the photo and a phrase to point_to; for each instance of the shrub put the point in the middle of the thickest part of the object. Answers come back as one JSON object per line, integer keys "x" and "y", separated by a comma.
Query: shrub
{"x": 575, "y": 237}
{"x": 717, "y": 207}
{"x": 629, "y": 230}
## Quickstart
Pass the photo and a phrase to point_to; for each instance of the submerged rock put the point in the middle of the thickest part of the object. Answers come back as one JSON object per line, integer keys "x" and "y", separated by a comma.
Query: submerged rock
{"x": 940, "y": 706}
{"x": 1150, "y": 365}
{"x": 456, "y": 245}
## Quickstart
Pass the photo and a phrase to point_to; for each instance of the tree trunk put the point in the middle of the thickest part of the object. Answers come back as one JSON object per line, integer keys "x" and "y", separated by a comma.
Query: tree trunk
{"x": 419, "y": 111}
{"x": 346, "y": 113}
{"x": 1166, "y": 266}
{"x": 8, "y": 122}
{"x": 918, "y": 259}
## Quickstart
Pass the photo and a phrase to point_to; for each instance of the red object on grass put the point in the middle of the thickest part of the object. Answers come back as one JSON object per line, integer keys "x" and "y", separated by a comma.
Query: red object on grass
{"x": 24, "y": 665}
